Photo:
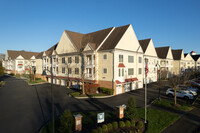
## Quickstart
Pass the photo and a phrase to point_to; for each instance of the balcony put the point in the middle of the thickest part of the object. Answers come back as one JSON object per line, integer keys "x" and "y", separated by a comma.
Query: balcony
{"x": 90, "y": 73}
{"x": 90, "y": 61}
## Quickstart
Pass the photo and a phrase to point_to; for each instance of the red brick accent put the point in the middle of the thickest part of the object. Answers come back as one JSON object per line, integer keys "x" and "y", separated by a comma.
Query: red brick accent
{"x": 106, "y": 84}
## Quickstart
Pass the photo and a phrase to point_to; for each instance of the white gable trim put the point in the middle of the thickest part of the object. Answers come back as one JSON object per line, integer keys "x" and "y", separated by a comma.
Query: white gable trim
{"x": 20, "y": 57}
{"x": 71, "y": 41}
{"x": 89, "y": 47}
{"x": 105, "y": 39}
{"x": 33, "y": 57}
{"x": 53, "y": 53}
{"x": 44, "y": 54}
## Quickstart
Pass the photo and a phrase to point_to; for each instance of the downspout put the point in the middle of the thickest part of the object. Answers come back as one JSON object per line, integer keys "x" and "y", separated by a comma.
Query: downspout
{"x": 113, "y": 69}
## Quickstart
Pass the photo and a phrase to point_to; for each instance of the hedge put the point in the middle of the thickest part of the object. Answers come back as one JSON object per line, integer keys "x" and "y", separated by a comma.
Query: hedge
{"x": 106, "y": 90}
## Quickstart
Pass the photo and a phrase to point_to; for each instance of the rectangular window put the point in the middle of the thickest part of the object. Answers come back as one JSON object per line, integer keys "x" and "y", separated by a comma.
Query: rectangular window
{"x": 76, "y": 59}
{"x": 122, "y": 72}
{"x": 105, "y": 70}
{"x": 140, "y": 59}
{"x": 57, "y": 60}
{"x": 130, "y": 59}
{"x": 105, "y": 56}
{"x": 63, "y": 60}
{"x": 76, "y": 70}
{"x": 63, "y": 70}
{"x": 120, "y": 58}
{"x": 119, "y": 72}
{"x": 69, "y": 71}
{"x": 69, "y": 59}
{"x": 57, "y": 69}
{"x": 130, "y": 71}
{"x": 140, "y": 70}
{"x": 47, "y": 60}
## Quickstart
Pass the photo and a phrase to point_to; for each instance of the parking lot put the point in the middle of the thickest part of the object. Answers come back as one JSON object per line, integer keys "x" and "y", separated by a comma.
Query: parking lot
{"x": 26, "y": 108}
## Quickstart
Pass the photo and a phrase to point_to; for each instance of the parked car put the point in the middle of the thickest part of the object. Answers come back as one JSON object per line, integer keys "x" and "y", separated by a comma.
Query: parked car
{"x": 191, "y": 89}
{"x": 193, "y": 84}
{"x": 180, "y": 93}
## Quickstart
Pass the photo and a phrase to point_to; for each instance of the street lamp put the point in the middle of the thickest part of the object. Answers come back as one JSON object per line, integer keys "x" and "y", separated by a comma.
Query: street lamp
{"x": 146, "y": 72}
{"x": 157, "y": 65}
{"x": 52, "y": 95}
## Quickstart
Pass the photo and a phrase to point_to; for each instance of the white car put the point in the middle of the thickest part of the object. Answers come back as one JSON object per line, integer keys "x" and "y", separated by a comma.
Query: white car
{"x": 180, "y": 93}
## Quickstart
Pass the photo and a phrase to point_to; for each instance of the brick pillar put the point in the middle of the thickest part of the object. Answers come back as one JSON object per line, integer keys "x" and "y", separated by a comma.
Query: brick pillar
{"x": 78, "y": 122}
{"x": 121, "y": 111}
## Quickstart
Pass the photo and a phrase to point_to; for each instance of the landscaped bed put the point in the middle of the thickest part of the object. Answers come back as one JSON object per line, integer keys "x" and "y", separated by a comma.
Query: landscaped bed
{"x": 100, "y": 91}
{"x": 157, "y": 121}
{"x": 170, "y": 104}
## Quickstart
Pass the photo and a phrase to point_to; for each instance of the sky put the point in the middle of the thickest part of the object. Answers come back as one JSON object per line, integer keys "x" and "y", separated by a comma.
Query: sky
{"x": 36, "y": 25}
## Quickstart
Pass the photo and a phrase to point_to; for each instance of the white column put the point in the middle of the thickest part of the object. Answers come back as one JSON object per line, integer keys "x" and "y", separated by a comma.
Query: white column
{"x": 92, "y": 59}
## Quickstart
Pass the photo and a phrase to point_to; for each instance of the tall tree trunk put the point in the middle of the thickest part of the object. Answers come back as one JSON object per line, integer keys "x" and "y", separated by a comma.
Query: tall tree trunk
{"x": 175, "y": 96}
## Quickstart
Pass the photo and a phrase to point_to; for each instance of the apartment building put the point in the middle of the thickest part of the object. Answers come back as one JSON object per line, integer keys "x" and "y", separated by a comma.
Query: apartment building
{"x": 190, "y": 62}
{"x": 165, "y": 60}
{"x": 179, "y": 64}
{"x": 150, "y": 54}
{"x": 112, "y": 58}
{"x": 19, "y": 62}
{"x": 197, "y": 61}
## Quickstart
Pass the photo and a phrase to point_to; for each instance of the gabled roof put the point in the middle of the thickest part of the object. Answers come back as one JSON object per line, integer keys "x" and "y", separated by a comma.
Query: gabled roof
{"x": 196, "y": 57}
{"x": 144, "y": 44}
{"x": 162, "y": 52}
{"x": 48, "y": 52}
{"x": 177, "y": 54}
{"x": 25, "y": 54}
{"x": 185, "y": 54}
{"x": 94, "y": 38}
{"x": 114, "y": 37}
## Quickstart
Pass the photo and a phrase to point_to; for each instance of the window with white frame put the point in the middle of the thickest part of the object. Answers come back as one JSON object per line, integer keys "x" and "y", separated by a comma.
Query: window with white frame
{"x": 56, "y": 69}
{"x": 105, "y": 70}
{"x": 105, "y": 56}
{"x": 130, "y": 71}
{"x": 63, "y": 69}
{"x": 130, "y": 59}
{"x": 76, "y": 59}
{"x": 63, "y": 60}
{"x": 76, "y": 70}
{"x": 121, "y": 72}
{"x": 140, "y": 70}
{"x": 69, "y": 71}
{"x": 120, "y": 58}
{"x": 140, "y": 59}
{"x": 69, "y": 59}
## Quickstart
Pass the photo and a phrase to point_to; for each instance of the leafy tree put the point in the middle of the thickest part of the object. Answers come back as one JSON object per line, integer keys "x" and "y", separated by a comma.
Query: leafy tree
{"x": 131, "y": 111}
{"x": 1, "y": 71}
{"x": 66, "y": 122}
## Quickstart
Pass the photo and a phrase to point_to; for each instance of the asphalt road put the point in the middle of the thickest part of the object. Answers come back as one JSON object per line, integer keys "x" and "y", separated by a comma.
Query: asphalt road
{"x": 25, "y": 109}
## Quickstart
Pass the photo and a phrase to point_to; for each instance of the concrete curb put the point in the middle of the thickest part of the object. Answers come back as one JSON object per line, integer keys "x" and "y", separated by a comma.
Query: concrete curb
{"x": 37, "y": 83}
{"x": 93, "y": 97}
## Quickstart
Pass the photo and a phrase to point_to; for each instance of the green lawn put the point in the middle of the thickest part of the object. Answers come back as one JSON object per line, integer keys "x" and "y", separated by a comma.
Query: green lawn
{"x": 36, "y": 81}
{"x": 157, "y": 120}
{"x": 170, "y": 104}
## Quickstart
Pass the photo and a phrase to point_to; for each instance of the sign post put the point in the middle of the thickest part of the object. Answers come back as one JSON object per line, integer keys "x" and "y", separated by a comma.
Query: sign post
{"x": 100, "y": 117}
{"x": 78, "y": 122}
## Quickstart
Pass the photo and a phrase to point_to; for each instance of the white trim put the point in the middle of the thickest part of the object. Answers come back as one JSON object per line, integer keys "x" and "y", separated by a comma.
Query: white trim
{"x": 105, "y": 38}
{"x": 71, "y": 40}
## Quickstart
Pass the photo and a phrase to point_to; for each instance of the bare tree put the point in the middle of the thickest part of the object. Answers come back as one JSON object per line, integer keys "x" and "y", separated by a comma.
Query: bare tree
{"x": 173, "y": 82}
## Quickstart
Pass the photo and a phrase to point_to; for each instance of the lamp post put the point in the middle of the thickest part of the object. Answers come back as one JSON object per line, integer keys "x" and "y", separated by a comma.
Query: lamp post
{"x": 52, "y": 95}
{"x": 146, "y": 72}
